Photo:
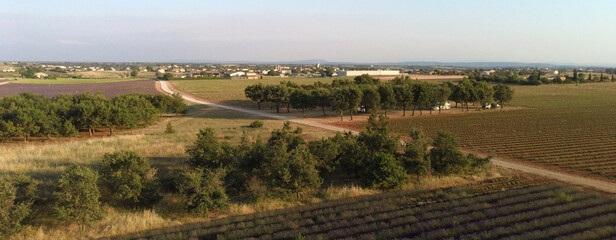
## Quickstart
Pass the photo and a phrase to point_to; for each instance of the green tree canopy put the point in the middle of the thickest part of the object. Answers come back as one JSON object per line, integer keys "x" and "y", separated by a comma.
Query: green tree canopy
{"x": 77, "y": 198}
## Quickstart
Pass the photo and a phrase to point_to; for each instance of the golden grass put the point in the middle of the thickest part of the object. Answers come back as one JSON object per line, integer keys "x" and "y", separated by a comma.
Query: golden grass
{"x": 55, "y": 156}
{"x": 115, "y": 223}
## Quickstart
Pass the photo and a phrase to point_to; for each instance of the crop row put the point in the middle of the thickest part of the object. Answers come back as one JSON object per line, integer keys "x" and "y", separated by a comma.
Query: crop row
{"x": 470, "y": 211}
{"x": 582, "y": 141}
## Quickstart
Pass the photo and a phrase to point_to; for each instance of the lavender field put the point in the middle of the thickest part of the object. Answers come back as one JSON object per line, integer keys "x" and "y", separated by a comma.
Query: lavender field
{"x": 504, "y": 208}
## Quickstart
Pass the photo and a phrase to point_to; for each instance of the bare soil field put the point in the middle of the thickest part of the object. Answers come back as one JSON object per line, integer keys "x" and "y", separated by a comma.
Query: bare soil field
{"x": 107, "y": 89}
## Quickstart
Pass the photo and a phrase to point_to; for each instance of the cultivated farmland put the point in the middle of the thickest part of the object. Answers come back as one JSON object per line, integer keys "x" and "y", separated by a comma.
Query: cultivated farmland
{"x": 231, "y": 91}
{"x": 108, "y": 89}
{"x": 566, "y": 127}
{"x": 73, "y": 80}
{"x": 515, "y": 207}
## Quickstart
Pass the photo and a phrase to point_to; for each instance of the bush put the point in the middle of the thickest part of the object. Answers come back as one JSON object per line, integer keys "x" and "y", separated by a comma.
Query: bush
{"x": 77, "y": 199}
{"x": 129, "y": 180}
{"x": 446, "y": 157}
{"x": 178, "y": 105}
{"x": 415, "y": 158}
{"x": 208, "y": 153}
{"x": 17, "y": 195}
{"x": 169, "y": 129}
{"x": 256, "y": 124}
{"x": 291, "y": 171}
{"x": 385, "y": 172}
{"x": 203, "y": 191}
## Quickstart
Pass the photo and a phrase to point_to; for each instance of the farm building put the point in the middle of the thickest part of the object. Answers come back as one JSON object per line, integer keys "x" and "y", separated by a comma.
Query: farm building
{"x": 194, "y": 73}
{"x": 252, "y": 75}
{"x": 371, "y": 73}
{"x": 487, "y": 73}
{"x": 236, "y": 74}
{"x": 40, "y": 75}
{"x": 212, "y": 72}
{"x": 8, "y": 69}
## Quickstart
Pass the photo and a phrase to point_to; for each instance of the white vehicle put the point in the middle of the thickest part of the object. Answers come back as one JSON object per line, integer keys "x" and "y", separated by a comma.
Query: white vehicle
{"x": 447, "y": 105}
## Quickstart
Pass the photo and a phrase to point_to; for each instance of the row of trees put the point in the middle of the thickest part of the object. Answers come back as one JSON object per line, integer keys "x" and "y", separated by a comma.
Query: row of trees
{"x": 288, "y": 165}
{"x": 27, "y": 115}
{"x": 369, "y": 94}
{"x": 536, "y": 77}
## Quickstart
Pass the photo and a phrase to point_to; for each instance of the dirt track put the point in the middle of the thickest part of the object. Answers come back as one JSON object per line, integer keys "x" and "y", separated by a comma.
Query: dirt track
{"x": 569, "y": 178}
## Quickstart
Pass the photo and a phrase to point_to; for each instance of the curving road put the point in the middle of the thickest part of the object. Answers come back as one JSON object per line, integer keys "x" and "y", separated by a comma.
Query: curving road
{"x": 560, "y": 176}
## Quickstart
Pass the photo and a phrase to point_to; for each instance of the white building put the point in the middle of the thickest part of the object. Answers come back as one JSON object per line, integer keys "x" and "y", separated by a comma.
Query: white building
{"x": 8, "y": 69}
{"x": 371, "y": 73}
{"x": 40, "y": 75}
{"x": 237, "y": 74}
{"x": 487, "y": 73}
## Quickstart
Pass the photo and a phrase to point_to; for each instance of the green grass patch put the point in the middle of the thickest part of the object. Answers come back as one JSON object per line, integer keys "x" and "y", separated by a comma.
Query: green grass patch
{"x": 231, "y": 91}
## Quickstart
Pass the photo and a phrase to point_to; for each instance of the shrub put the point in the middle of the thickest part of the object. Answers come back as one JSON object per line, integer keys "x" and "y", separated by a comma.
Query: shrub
{"x": 445, "y": 156}
{"x": 129, "y": 180}
{"x": 203, "y": 191}
{"x": 256, "y": 124}
{"x": 77, "y": 199}
{"x": 169, "y": 129}
{"x": 415, "y": 158}
{"x": 291, "y": 171}
{"x": 17, "y": 195}
{"x": 207, "y": 152}
{"x": 385, "y": 172}
{"x": 178, "y": 105}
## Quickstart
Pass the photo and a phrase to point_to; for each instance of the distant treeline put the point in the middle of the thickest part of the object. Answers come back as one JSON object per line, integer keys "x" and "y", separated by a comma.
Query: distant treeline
{"x": 368, "y": 94}
{"x": 537, "y": 77}
{"x": 30, "y": 115}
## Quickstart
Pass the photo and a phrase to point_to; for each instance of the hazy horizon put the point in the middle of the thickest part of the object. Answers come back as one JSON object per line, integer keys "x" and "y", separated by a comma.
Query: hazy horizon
{"x": 341, "y": 31}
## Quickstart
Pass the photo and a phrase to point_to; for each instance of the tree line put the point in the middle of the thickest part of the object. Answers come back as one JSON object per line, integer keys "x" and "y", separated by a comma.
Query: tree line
{"x": 287, "y": 165}
{"x": 536, "y": 77}
{"x": 369, "y": 94}
{"x": 30, "y": 115}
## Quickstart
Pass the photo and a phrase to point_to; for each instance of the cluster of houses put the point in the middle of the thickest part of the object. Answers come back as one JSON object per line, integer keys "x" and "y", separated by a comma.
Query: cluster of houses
{"x": 7, "y": 69}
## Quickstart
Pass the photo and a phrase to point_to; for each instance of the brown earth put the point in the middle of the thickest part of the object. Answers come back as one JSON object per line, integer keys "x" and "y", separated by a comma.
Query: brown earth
{"x": 107, "y": 89}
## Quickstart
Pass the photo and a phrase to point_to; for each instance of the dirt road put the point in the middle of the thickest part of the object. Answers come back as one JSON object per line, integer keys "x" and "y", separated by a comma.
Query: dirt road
{"x": 565, "y": 177}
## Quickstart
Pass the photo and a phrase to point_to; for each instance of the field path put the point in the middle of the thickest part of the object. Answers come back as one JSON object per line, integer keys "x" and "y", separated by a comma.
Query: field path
{"x": 560, "y": 176}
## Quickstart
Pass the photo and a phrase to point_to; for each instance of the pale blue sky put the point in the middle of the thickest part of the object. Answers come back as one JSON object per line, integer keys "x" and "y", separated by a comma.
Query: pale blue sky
{"x": 581, "y": 32}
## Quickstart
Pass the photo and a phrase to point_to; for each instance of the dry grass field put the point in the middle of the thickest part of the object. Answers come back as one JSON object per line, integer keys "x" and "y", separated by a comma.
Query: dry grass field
{"x": 46, "y": 160}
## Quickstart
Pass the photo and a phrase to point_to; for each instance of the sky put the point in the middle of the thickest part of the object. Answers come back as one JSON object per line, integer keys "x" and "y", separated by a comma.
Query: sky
{"x": 565, "y": 31}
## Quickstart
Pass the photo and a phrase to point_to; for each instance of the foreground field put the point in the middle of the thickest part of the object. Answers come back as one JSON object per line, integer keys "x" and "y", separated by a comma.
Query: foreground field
{"x": 46, "y": 160}
{"x": 517, "y": 207}
{"x": 109, "y": 89}
{"x": 567, "y": 127}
